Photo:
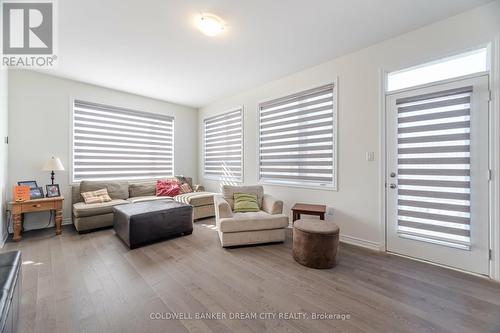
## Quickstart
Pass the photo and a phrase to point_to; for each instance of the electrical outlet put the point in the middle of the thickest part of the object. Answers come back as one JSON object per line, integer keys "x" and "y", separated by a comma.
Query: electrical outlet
{"x": 329, "y": 211}
{"x": 370, "y": 156}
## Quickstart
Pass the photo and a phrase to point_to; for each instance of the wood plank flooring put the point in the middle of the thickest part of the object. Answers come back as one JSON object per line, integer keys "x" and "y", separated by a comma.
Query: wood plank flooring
{"x": 93, "y": 283}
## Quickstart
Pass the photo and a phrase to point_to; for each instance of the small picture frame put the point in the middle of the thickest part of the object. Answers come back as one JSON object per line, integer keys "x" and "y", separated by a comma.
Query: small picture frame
{"x": 31, "y": 183}
{"x": 36, "y": 193}
{"x": 53, "y": 191}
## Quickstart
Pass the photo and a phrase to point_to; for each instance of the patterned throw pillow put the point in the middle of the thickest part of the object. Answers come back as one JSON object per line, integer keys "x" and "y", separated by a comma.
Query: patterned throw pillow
{"x": 244, "y": 202}
{"x": 181, "y": 180}
{"x": 167, "y": 188}
{"x": 185, "y": 188}
{"x": 98, "y": 196}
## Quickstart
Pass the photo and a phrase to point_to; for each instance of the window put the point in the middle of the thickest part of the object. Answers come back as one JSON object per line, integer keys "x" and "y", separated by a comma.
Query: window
{"x": 116, "y": 143}
{"x": 297, "y": 141}
{"x": 434, "y": 167}
{"x": 223, "y": 152}
{"x": 447, "y": 68}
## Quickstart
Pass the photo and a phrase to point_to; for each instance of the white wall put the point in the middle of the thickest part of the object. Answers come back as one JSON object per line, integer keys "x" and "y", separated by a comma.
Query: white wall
{"x": 357, "y": 202}
{"x": 3, "y": 154}
{"x": 39, "y": 127}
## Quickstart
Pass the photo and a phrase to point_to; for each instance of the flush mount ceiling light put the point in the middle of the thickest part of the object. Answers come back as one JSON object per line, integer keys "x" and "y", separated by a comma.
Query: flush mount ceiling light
{"x": 209, "y": 24}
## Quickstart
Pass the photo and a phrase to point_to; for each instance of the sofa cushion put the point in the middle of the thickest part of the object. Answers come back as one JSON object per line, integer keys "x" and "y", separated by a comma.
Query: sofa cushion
{"x": 147, "y": 198}
{"x": 81, "y": 209}
{"x": 252, "y": 221}
{"x": 196, "y": 198}
{"x": 116, "y": 189}
{"x": 142, "y": 189}
{"x": 228, "y": 192}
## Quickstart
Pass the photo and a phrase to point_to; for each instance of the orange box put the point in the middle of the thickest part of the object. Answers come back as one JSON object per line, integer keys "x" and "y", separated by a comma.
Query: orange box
{"x": 21, "y": 193}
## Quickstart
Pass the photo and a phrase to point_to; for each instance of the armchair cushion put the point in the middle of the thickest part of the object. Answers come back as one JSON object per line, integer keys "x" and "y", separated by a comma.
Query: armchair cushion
{"x": 244, "y": 202}
{"x": 272, "y": 205}
{"x": 228, "y": 192}
{"x": 252, "y": 221}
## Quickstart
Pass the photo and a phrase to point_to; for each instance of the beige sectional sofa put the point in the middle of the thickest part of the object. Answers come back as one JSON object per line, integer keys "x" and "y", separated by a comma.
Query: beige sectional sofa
{"x": 87, "y": 217}
{"x": 265, "y": 226}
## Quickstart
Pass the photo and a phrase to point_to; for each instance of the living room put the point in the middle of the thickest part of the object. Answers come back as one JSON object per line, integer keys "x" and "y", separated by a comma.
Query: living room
{"x": 232, "y": 166}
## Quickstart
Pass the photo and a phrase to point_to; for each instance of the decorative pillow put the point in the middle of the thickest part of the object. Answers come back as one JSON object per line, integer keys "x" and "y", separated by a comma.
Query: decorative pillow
{"x": 180, "y": 179}
{"x": 98, "y": 196}
{"x": 167, "y": 188}
{"x": 244, "y": 202}
{"x": 185, "y": 188}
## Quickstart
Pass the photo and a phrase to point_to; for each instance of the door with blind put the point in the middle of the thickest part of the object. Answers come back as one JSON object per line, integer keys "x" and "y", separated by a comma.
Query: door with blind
{"x": 437, "y": 180}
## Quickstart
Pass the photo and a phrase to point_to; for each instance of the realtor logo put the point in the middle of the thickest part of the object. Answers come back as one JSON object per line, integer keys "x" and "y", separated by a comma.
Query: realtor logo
{"x": 28, "y": 29}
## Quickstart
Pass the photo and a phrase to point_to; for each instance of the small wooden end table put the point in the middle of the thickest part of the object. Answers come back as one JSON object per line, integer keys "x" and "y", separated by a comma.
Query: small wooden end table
{"x": 308, "y": 209}
{"x": 18, "y": 208}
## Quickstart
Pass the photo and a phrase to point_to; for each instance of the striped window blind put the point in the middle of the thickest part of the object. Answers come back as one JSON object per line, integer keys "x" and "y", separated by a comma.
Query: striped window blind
{"x": 434, "y": 167}
{"x": 223, "y": 152}
{"x": 116, "y": 143}
{"x": 297, "y": 139}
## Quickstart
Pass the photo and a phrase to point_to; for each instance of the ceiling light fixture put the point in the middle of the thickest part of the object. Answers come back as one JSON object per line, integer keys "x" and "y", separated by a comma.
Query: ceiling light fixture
{"x": 209, "y": 24}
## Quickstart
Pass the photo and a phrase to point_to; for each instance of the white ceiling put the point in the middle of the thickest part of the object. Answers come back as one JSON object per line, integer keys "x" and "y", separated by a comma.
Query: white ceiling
{"x": 152, "y": 48}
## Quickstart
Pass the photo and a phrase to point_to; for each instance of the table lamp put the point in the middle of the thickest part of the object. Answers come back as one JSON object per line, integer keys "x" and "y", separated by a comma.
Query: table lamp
{"x": 53, "y": 164}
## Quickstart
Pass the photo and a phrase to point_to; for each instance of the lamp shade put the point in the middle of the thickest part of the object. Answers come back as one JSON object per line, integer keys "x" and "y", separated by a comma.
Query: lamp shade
{"x": 53, "y": 164}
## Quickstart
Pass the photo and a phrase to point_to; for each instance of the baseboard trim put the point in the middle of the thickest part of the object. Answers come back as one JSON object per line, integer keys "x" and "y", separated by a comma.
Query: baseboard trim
{"x": 361, "y": 243}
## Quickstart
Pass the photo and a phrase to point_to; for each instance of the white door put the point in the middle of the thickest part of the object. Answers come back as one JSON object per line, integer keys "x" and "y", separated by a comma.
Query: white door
{"x": 438, "y": 174}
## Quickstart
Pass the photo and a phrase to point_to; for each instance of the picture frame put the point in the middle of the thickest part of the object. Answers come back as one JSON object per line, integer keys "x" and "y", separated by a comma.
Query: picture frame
{"x": 36, "y": 193}
{"x": 53, "y": 191}
{"x": 31, "y": 183}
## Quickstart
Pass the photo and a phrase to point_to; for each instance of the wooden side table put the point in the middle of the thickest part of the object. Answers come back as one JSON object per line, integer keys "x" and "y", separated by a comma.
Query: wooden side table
{"x": 37, "y": 205}
{"x": 308, "y": 209}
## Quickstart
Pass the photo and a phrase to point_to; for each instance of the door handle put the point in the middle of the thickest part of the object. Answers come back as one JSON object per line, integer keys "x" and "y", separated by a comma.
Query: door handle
{"x": 392, "y": 186}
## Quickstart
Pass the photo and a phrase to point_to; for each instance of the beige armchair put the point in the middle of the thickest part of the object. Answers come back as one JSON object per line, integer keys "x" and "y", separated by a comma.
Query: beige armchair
{"x": 265, "y": 226}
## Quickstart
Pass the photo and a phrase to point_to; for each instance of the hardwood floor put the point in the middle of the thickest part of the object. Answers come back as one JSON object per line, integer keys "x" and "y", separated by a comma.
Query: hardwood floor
{"x": 93, "y": 283}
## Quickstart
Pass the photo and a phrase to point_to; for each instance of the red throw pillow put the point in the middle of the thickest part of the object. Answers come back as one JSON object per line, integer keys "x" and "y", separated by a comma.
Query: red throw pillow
{"x": 167, "y": 188}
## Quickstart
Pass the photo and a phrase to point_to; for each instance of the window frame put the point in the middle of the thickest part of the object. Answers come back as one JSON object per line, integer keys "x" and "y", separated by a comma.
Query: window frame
{"x": 335, "y": 104}
{"x": 438, "y": 60}
{"x": 239, "y": 180}
{"x": 71, "y": 103}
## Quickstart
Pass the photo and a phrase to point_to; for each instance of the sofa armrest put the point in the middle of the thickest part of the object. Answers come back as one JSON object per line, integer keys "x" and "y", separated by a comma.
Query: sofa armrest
{"x": 272, "y": 205}
{"x": 222, "y": 208}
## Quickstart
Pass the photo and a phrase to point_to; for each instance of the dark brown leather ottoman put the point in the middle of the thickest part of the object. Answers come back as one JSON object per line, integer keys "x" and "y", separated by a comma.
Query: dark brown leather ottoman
{"x": 315, "y": 243}
{"x": 147, "y": 222}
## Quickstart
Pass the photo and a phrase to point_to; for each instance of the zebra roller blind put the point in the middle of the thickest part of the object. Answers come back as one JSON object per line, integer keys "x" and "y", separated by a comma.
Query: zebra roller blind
{"x": 223, "y": 152}
{"x": 434, "y": 167}
{"x": 116, "y": 143}
{"x": 297, "y": 139}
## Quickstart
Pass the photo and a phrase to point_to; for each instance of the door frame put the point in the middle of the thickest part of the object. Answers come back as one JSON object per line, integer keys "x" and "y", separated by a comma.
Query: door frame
{"x": 494, "y": 155}
{"x": 473, "y": 260}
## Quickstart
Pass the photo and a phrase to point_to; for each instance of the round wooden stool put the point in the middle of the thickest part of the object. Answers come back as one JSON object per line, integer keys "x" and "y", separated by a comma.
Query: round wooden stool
{"x": 315, "y": 243}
